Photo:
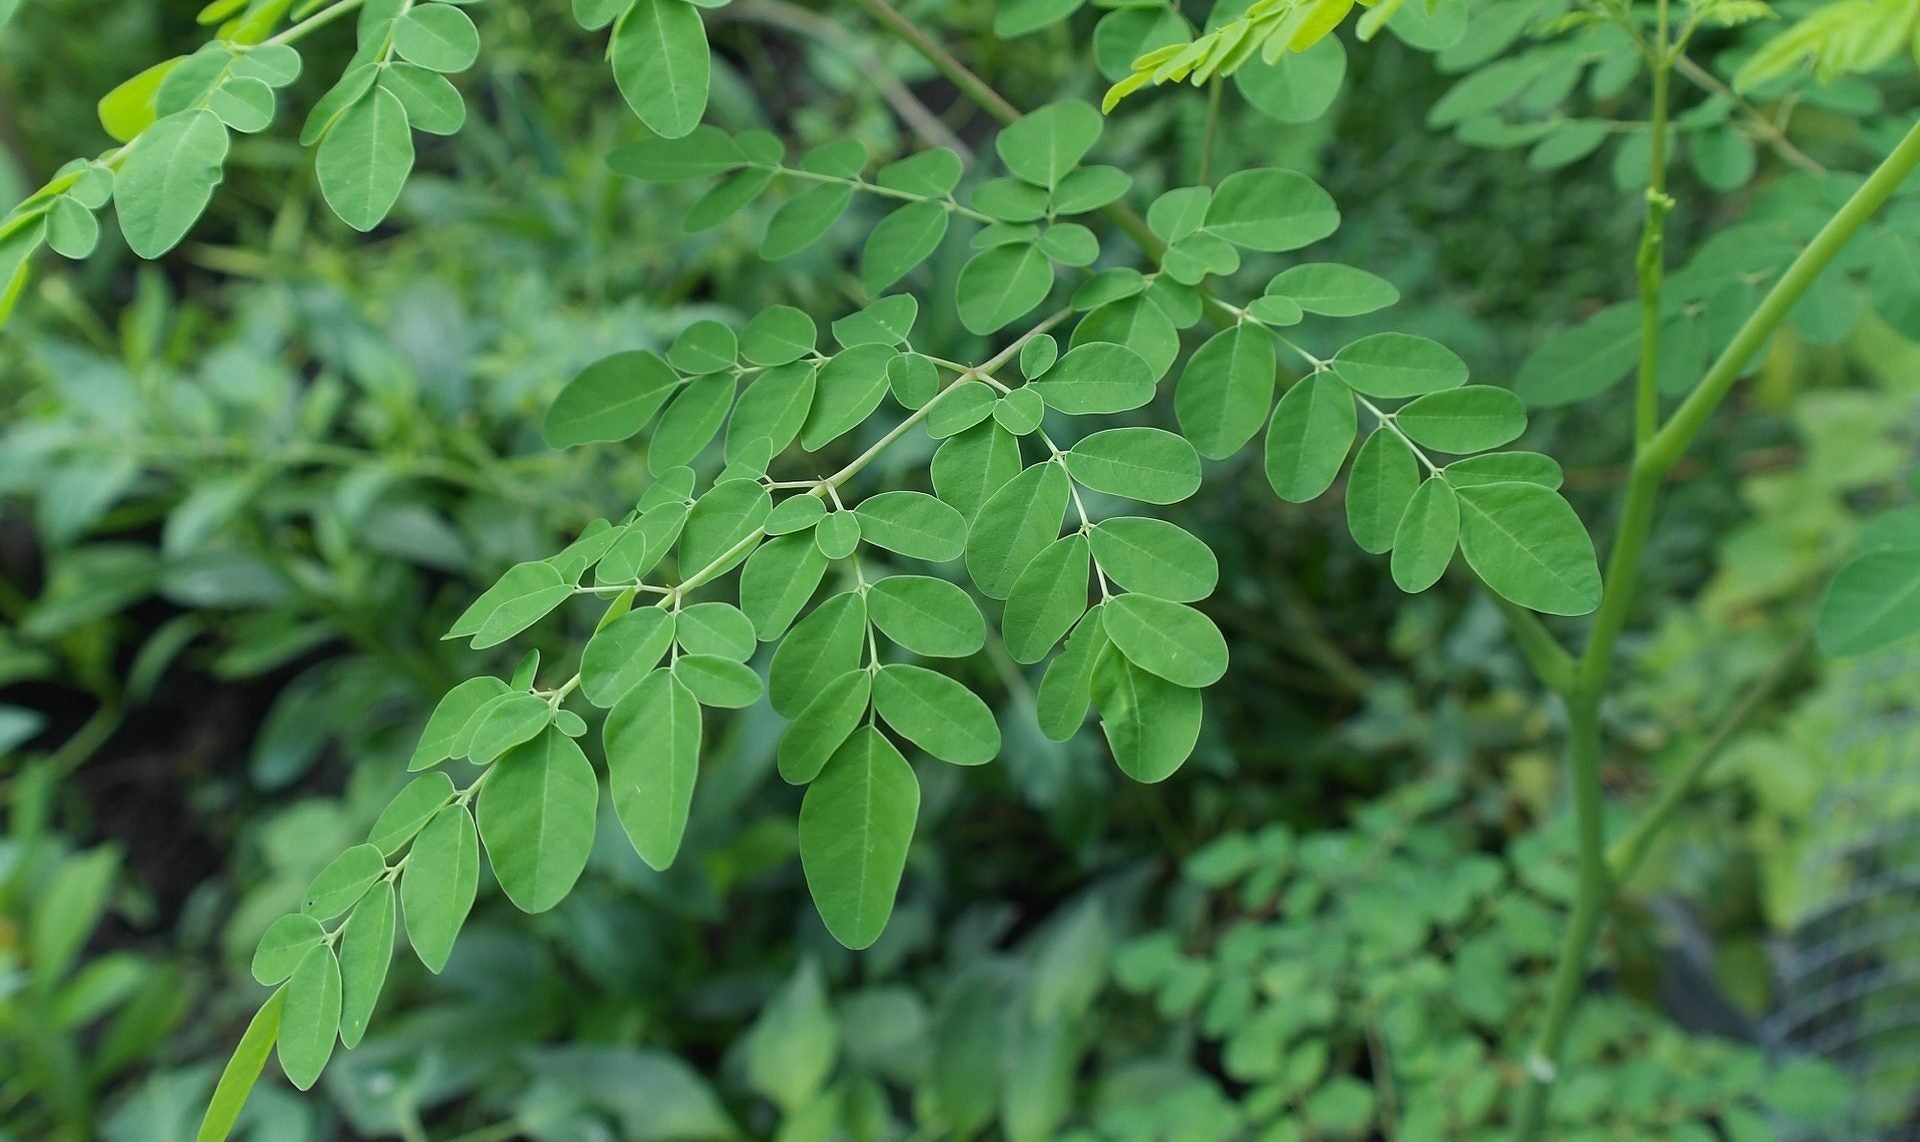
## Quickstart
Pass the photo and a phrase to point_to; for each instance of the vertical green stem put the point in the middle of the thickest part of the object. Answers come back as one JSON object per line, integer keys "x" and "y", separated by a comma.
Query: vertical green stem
{"x": 1653, "y": 459}
{"x": 1651, "y": 261}
{"x": 1589, "y": 907}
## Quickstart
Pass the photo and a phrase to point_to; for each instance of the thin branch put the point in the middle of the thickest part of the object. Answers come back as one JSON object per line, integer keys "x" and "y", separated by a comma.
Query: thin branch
{"x": 1626, "y": 854}
{"x": 793, "y": 18}
{"x": 1769, "y": 130}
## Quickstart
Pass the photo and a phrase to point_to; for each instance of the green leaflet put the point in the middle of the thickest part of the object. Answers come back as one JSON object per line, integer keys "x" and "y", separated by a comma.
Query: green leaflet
{"x": 728, "y": 516}
{"x": 1066, "y": 690}
{"x": 409, "y": 812}
{"x": 354, "y": 83}
{"x": 437, "y": 888}
{"x": 1429, "y": 531}
{"x": 366, "y": 950}
{"x": 167, "y": 180}
{"x": 1146, "y": 464}
{"x": 245, "y": 105}
{"x": 691, "y": 421}
{"x": 587, "y": 549}
{"x": 838, "y": 535}
{"x": 1038, "y": 355}
{"x": 1297, "y": 87}
{"x": 438, "y": 37}
{"x": 779, "y": 578}
{"x": 1470, "y": 419}
{"x": 1012, "y": 527}
{"x": 936, "y": 713}
{"x": 506, "y": 722}
{"x": 1398, "y": 365}
{"x": 283, "y": 945}
{"x": 727, "y": 198}
{"x": 927, "y": 616}
{"x": 717, "y": 681}
{"x": 826, "y": 722}
{"x": 448, "y": 734}
{"x": 1045, "y": 144}
{"x": 820, "y": 648}
{"x": 1226, "y": 390}
{"x": 652, "y": 742}
{"x": 646, "y": 542}
{"x": 1047, "y": 599}
{"x": 1155, "y": 557}
{"x": 522, "y": 597}
{"x": 1097, "y": 377}
{"x": 772, "y": 410}
{"x": 704, "y": 347}
{"x": 849, "y": 388}
{"x": 1009, "y": 201}
{"x": 1874, "y": 599}
{"x": 932, "y": 173}
{"x": 1020, "y": 411}
{"x": 1139, "y": 324}
{"x": 661, "y": 64}
{"x": 364, "y": 160}
{"x": 1312, "y": 432}
{"x": 1383, "y": 479}
{"x": 803, "y": 219}
{"x": 1151, "y": 724}
{"x": 901, "y": 241}
{"x": 1089, "y": 188}
{"x": 913, "y": 524}
{"x": 1527, "y": 544}
{"x": 622, "y": 653}
{"x": 960, "y": 408}
{"x": 536, "y": 816}
{"x": 242, "y": 1071}
{"x": 856, "y": 824}
{"x": 129, "y": 108}
{"x": 1271, "y": 210}
{"x": 999, "y": 286}
{"x": 1498, "y": 467}
{"x": 1179, "y": 212}
{"x": 1333, "y": 290}
{"x": 796, "y": 513}
{"x": 310, "y": 1018}
{"x": 914, "y": 379}
{"x": 968, "y": 469}
{"x": 778, "y": 335}
{"x": 339, "y": 885}
{"x": 716, "y": 628}
{"x": 1166, "y": 638}
{"x": 433, "y": 104}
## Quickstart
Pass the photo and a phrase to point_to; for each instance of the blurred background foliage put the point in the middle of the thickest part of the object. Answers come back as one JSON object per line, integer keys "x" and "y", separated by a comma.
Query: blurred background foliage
{"x": 246, "y": 489}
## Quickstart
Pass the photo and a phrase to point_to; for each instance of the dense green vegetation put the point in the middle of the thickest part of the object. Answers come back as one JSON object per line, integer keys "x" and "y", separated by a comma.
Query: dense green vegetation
{"x": 1018, "y": 569}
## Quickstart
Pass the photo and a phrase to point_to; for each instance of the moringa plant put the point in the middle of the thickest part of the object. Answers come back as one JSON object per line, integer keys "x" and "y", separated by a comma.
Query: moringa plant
{"x": 766, "y": 560}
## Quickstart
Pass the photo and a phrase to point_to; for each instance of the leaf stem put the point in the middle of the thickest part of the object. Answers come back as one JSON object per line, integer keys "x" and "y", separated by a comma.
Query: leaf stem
{"x": 882, "y": 191}
{"x": 1624, "y": 857}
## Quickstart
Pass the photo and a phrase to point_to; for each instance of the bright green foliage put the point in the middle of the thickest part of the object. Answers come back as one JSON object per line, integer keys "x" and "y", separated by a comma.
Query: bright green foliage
{"x": 437, "y": 888}
{"x": 855, "y": 825}
{"x": 661, "y": 63}
{"x": 310, "y": 1020}
{"x": 536, "y": 816}
{"x": 774, "y": 554}
{"x": 652, "y": 742}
